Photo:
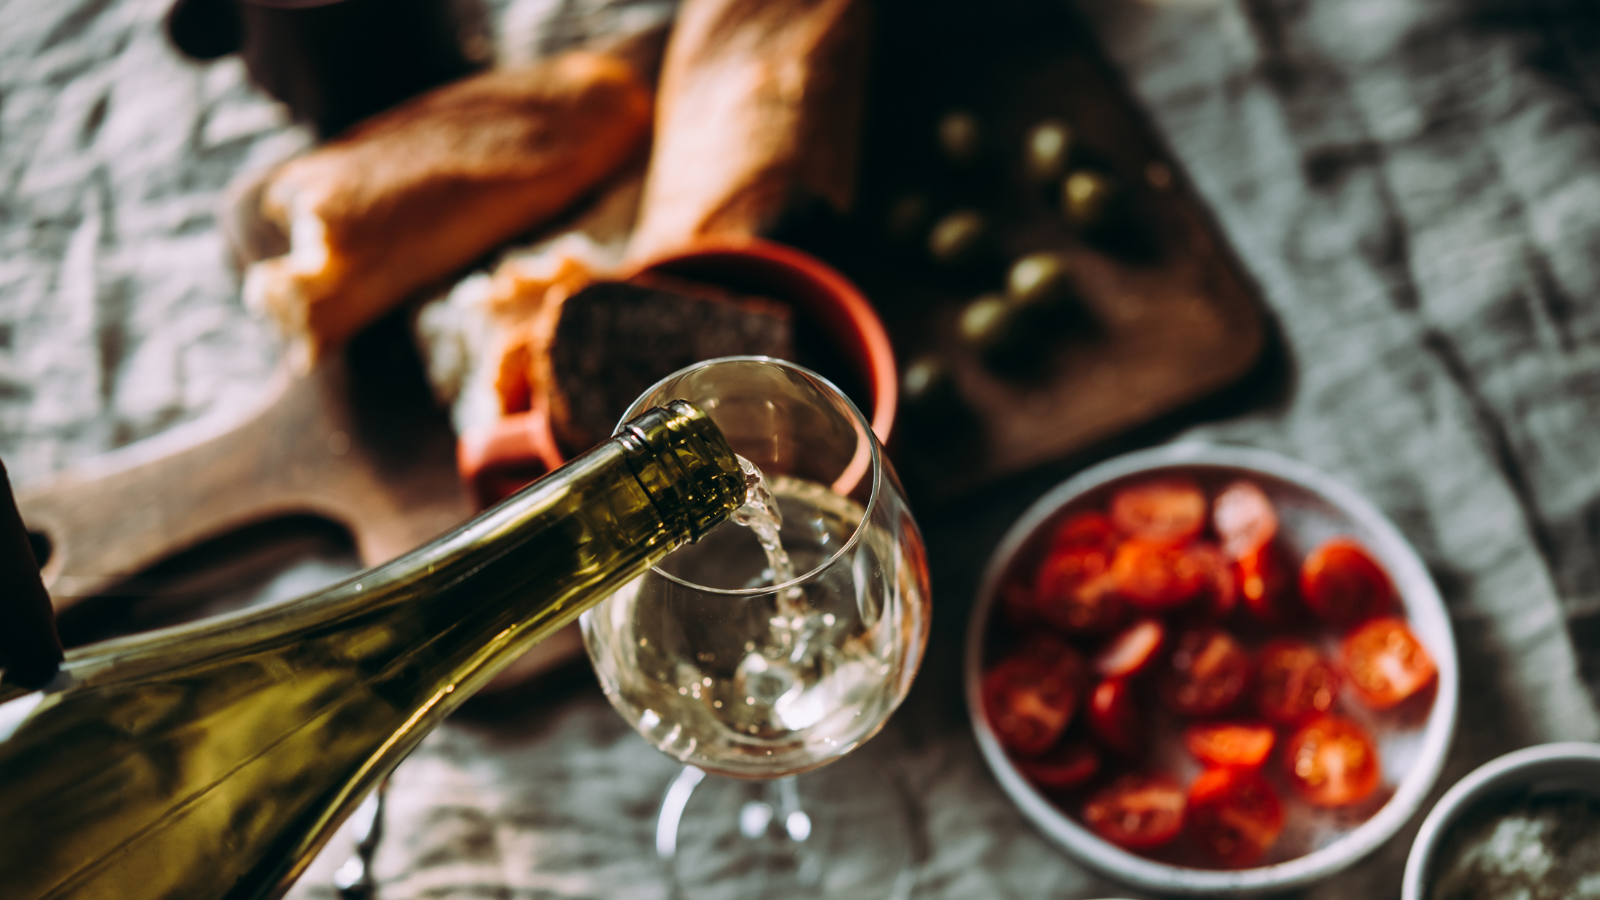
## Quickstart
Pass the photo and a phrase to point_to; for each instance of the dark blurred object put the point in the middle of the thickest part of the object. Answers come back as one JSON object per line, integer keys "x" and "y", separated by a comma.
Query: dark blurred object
{"x": 29, "y": 648}
{"x": 335, "y": 62}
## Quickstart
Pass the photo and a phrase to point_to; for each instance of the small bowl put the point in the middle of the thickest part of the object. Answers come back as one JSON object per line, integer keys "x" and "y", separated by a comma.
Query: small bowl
{"x": 1547, "y": 768}
{"x": 833, "y": 318}
{"x": 1312, "y": 507}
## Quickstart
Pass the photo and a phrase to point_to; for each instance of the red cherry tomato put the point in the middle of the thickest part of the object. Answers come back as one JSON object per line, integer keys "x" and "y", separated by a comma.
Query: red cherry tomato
{"x": 1131, "y": 651}
{"x": 1244, "y": 519}
{"x": 1205, "y": 674}
{"x": 1029, "y": 701}
{"x": 1343, "y": 584}
{"x": 1237, "y": 745}
{"x": 1016, "y": 600}
{"x": 1062, "y": 768}
{"x": 1089, "y": 529}
{"x": 1234, "y": 815}
{"x": 1156, "y": 577}
{"x": 1138, "y": 812}
{"x": 1294, "y": 683}
{"x": 1386, "y": 663}
{"x": 1165, "y": 511}
{"x": 1264, "y": 584}
{"x": 1331, "y": 762}
{"x": 1073, "y": 590}
{"x": 1219, "y": 588}
{"x": 1113, "y": 719}
{"x": 1047, "y": 648}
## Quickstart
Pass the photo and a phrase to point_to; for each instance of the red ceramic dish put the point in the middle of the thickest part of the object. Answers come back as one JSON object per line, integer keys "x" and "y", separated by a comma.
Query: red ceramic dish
{"x": 519, "y": 448}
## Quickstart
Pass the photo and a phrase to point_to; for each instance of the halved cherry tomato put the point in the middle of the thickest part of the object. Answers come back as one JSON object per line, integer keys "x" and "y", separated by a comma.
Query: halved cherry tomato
{"x": 1131, "y": 651}
{"x": 1156, "y": 577}
{"x": 1050, "y": 649}
{"x": 1386, "y": 663}
{"x": 1029, "y": 700}
{"x": 1234, "y": 744}
{"x": 1234, "y": 815}
{"x": 1244, "y": 519}
{"x": 1016, "y": 599}
{"x": 1138, "y": 812}
{"x": 1113, "y": 720}
{"x": 1219, "y": 588}
{"x": 1073, "y": 590}
{"x": 1165, "y": 510}
{"x": 1331, "y": 762}
{"x": 1065, "y": 767}
{"x": 1294, "y": 683}
{"x": 1264, "y": 584}
{"x": 1087, "y": 529}
{"x": 1205, "y": 674}
{"x": 1343, "y": 584}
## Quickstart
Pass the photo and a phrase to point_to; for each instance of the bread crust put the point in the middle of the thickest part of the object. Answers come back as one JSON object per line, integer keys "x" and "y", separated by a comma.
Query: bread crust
{"x": 417, "y": 193}
{"x": 760, "y": 106}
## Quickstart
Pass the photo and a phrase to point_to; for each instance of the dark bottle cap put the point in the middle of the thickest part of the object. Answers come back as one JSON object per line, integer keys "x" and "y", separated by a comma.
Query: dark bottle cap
{"x": 30, "y": 651}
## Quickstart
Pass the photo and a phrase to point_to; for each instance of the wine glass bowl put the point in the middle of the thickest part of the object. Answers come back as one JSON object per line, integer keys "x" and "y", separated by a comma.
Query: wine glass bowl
{"x": 725, "y": 661}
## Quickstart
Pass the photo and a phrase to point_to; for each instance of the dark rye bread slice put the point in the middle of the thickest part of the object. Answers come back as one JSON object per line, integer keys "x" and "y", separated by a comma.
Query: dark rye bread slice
{"x": 617, "y": 338}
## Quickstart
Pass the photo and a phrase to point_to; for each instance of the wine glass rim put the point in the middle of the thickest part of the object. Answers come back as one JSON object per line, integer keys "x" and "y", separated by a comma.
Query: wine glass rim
{"x": 863, "y": 428}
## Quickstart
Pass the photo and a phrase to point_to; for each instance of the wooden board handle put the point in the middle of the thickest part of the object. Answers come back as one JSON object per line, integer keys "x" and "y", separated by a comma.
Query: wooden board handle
{"x": 304, "y": 449}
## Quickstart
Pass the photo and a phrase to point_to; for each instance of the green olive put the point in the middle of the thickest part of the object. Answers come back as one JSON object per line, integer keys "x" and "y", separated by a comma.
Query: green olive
{"x": 936, "y": 417}
{"x": 985, "y": 323}
{"x": 958, "y": 238}
{"x": 960, "y": 137}
{"x": 907, "y": 219}
{"x": 1046, "y": 150}
{"x": 1089, "y": 199}
{"x": 925, "y": 380}
{"x": 1042, "y": 280}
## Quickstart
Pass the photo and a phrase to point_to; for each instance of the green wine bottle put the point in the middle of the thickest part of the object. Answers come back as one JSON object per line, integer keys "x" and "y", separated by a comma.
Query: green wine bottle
{"x": 214, "y": 760}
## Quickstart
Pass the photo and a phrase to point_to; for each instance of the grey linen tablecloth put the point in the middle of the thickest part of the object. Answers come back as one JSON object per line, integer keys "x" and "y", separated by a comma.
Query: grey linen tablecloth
{"x": 1414, "y": 183}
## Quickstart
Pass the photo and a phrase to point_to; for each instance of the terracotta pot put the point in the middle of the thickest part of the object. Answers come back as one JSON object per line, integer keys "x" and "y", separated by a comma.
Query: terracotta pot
{"x": 846, "y": 337}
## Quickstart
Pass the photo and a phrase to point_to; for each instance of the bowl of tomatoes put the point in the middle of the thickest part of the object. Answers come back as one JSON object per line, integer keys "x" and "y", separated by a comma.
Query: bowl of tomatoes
{"x": 1209, "y": 669}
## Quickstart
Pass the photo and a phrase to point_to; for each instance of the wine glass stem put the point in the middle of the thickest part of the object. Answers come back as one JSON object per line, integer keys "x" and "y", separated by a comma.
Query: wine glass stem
{"x": 771, "y": 818}
{"x": 775, "y": 822}
{"x": 672, "y": 806}
{"x": 796, "y": 823}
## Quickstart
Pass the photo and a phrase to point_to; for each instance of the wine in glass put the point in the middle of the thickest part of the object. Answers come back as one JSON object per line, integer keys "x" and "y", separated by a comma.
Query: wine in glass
{"x": 778, "y": 643}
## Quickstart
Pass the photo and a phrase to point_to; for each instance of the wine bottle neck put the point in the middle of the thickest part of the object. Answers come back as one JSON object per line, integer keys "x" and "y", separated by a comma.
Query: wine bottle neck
{"x": 520, "y": 569}
{"x": 685, "y": 466}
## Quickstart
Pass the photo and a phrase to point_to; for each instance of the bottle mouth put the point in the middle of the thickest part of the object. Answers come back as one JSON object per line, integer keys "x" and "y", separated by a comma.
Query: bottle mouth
{"x": 862, "y": 471}
{"x": 685, "y": 466}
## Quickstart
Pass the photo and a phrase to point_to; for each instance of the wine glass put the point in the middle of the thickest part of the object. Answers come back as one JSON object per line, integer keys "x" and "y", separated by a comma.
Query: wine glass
{"x": 742, "y": 663}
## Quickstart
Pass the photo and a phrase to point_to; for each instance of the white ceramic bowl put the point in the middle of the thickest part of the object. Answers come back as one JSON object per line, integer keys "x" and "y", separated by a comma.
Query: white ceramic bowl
{"x": 1311, "y": 507}
{"x": 1547, "y": 768}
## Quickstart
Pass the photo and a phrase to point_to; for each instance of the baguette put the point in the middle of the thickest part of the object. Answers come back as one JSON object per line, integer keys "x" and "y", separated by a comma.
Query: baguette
{"x": 759, "y": 107}
{"x": 423, "y": 190}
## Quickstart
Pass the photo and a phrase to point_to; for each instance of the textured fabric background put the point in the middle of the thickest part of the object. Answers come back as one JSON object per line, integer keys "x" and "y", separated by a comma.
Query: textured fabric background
{"x": 1414, "y": 183}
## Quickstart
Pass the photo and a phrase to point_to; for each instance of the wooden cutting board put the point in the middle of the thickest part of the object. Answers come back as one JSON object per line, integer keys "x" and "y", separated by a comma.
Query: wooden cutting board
{"x": 1163, "y": 324}
{"x": 358, "y": 442}
{"x": 352, "y": 442}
